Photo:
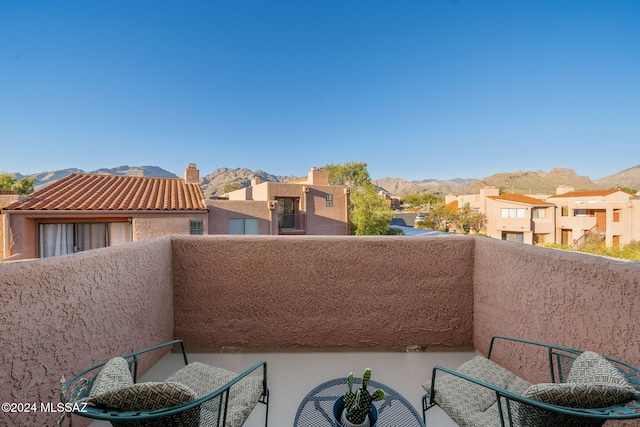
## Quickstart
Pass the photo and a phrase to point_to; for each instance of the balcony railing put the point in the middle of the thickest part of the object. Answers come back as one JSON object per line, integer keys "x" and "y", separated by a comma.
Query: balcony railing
{"x": 292, "y": 223}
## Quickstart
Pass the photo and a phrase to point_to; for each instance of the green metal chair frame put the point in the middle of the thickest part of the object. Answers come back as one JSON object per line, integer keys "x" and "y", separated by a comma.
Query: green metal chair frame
{"x": 79, "y": 387}
{"x": 560, "y": 361}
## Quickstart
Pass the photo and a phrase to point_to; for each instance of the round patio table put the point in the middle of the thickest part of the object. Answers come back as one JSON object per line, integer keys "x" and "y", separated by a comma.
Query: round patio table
{"x": 316, "y": 409}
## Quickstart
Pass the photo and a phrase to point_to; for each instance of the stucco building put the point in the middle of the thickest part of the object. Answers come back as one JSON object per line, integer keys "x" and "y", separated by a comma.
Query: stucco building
{"x": 567, "y": 217}
{"x": 308, "y": 206}
{"x": 88, "y": 211}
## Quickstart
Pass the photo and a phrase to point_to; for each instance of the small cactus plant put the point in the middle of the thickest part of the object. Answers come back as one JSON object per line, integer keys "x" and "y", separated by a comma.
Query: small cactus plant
{"x": 358, "y": 403}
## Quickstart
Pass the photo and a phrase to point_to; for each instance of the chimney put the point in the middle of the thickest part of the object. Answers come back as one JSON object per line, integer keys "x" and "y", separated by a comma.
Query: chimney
{"x": 255, "y": 180}
{"x": 191, "y": 174}
{"x": 318, "y": 176}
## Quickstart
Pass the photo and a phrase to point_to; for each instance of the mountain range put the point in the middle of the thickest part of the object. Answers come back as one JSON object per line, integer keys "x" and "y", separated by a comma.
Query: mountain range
{"x": 523, "y": 182}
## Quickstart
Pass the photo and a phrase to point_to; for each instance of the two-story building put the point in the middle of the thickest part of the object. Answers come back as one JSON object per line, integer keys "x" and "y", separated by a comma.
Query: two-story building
{"x": 306, "y": 206}
{"x": 611, "y": 214}
{"x": 564, "y": 218}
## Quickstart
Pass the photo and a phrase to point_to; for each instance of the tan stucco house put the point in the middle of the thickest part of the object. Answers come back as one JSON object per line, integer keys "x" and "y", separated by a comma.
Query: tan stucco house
{"x": 567, "y": 217}
{"x": 308, "y": 206}
{"x": 88, "y": 211}
{"x": 612, "y": 214}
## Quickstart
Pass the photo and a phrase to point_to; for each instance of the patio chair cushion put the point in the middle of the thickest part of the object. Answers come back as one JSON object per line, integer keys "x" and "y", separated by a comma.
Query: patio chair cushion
{"x": 115, "y": 374}
{"x": 591, "y": 368}
{"x": 593, "y": 382}
{"x": 203, "y": 379}
{"x": 145, "y": 396}
{"x": 469, "y": 404}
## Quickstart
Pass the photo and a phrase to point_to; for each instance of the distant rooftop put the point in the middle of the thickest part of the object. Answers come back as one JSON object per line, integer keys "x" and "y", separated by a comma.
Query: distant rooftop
{"x": 114, "y": 193}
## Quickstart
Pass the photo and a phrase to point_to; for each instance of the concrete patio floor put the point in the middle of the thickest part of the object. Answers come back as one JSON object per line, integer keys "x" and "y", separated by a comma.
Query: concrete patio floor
{"x": 291, "y": 375}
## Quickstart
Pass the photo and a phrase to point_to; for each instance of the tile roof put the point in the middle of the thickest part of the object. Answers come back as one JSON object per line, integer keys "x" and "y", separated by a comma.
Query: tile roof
{"x": 91, "y": 192}
{"x": 589, "y": 193}
{"x": 520, "y": 198}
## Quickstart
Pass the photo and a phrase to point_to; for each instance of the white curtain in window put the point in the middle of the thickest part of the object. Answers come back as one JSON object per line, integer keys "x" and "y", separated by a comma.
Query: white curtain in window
{"x": 91, "y": 236}
{"x": 119, "y": 233}
{"x": 56, "y": 239}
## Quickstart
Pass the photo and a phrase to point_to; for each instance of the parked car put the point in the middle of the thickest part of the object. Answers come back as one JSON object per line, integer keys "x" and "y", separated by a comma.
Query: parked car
{"x": 420, "y": 217}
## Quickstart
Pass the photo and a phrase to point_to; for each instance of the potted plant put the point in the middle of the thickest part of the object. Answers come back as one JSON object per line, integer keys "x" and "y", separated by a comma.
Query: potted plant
{"x": 355, "y": 408}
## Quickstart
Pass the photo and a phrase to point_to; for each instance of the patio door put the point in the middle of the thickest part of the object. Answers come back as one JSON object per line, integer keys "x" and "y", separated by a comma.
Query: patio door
{"x": 287, "y": 210}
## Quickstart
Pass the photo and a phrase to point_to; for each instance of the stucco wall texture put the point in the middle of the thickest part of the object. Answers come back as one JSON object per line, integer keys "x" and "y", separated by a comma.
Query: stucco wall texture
{"x": 323, "y": 291}
{"x": 63, "y": 314}
{"x": 564, "y": 298}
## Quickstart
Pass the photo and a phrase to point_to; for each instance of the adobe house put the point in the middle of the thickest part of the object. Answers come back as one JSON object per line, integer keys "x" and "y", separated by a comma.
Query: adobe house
{"x": 308, "y": 206}
{"x": 89, "y": 211}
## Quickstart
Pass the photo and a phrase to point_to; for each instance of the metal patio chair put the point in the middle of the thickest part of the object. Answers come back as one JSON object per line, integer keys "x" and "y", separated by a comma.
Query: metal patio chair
{"x": 196, "y": 395}
{"x": 585, "y": 390}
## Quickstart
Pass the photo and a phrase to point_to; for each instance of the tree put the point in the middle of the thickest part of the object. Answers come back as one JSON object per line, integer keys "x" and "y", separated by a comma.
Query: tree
{"x": 468, "y": 220}
{"x": 22, "y": 186}
{"x": 370, "y": 213}
{"x": 232, "y": 186}
{"x": 423, "y": 200}
{"x": 351, "y": 174}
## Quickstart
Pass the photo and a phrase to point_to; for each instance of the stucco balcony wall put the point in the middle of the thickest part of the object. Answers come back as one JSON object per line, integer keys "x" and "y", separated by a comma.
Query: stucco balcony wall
{"x": 566, "y": 298}
{"x": 63, "y": 314}
{"x": 313, "y": 291}
{"x": 59, "y": 315}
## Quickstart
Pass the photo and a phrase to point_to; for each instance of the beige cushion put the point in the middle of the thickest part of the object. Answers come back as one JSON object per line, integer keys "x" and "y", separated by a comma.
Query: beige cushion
{"x": 471, "y": 405}
{"x": 145, "y": 396}
{"x": 204, "y": 379}
{"x": 114, "y": 375}
{"x": 591, "y": 368}
{"x": 593, "y": 382}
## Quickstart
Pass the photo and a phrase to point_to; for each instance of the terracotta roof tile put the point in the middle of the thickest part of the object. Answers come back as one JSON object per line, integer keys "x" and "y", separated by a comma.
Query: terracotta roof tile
{"x": 90, "y": 192}
{"x": 520, "y": 198}
{"x": 589, "y": 193}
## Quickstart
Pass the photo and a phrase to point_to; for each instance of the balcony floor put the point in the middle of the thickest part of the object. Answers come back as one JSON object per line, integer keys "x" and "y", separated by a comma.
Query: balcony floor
{"x": 291, "y": 375}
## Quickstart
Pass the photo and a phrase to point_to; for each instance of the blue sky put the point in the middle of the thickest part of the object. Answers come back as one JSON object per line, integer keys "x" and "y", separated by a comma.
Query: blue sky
{"x": 429, "y": 89}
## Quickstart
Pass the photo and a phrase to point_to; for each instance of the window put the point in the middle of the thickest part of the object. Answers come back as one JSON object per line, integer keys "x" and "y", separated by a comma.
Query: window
{"x": 539, "y": 213}
{"x": 196, "y": 227}
{"x": 66, "y": 238}
{"x": 616, "y": 215}
{"x": 564, "y": 211}
{"x": 579, "y": 212}
{"x": 513, "y": 237}
{"x": 329, "y": 198}
{"x": 512, "y": 213}
{"x": 243, "y": 226}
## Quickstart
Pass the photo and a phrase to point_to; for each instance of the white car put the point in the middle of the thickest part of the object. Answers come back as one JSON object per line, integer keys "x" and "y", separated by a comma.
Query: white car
{"x": 420, "y": 217}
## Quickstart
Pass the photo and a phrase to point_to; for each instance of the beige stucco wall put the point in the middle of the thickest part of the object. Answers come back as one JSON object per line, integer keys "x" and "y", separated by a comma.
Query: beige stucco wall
{"x": 61, "y": 314}
{"x": 220, "y": 211}
{"x": 323, "y": 291}
{"x": 565, "y": 298}
{"x": 23, "y": 228}
{"x": 323, "y": 219}
{"x": 146, "y": 226}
